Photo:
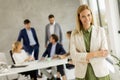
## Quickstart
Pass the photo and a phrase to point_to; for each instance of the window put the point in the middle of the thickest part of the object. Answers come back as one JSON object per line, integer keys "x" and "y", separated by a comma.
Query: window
{"x": 119, "y": 7}
{"x": 99, "y": 11}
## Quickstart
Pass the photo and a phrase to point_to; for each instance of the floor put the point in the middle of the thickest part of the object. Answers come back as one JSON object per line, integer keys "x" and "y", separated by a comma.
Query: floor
{"x": 114, "y": 76}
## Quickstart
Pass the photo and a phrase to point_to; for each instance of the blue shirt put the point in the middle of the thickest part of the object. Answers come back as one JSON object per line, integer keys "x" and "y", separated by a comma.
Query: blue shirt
{"x": 31, "y": 38}
{"x": 52, "y": 52}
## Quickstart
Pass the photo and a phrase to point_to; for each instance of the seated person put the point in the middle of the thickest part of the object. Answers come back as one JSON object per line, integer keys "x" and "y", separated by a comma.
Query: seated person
{"x": 68, "y": 53}
{"x": 69, "y": 65}
{"x": 53, "y": 50}
{"x": 20, "y": 56}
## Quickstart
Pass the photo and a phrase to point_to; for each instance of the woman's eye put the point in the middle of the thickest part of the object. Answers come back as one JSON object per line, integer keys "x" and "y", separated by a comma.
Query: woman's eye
{"x": 83, "y": 16}
{"x": 88, "y": 14}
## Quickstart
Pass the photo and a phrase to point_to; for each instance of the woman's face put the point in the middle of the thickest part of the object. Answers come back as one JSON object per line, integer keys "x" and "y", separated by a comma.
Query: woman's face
{"x": 86, "y": 18}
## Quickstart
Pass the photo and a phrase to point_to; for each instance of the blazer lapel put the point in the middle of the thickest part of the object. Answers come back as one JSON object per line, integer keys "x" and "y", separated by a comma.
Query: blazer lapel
{"x": 93, "y": 38}
{"x": 55, "y": 29}
{"x": 80, "y": 40}
{"x": 26, "y": 35}
{"x": 48, "y": 30}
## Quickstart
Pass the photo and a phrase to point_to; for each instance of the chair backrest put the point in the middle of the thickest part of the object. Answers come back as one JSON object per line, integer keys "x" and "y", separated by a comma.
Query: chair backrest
{"x": 12, "y": 56}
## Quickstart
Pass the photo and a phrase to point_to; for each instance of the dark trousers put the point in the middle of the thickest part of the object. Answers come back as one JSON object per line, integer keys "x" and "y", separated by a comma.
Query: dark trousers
{"x": 36, "y": 52}
{"x": 60, "y": 69}
{"x": 31, "y": 49}
{"x": 34, "y": 49}
{"x": 31, "y": 73}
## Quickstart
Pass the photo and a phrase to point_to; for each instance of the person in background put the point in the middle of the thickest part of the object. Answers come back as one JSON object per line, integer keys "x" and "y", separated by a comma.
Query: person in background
{"x": 68, "y": 33}
{"x": 52, "y": 28}
{"x": 20, "y": 56}
{"x": 30, "y": 40}
{"x": 53, "y": 50}
{"x": 88, "y": 47}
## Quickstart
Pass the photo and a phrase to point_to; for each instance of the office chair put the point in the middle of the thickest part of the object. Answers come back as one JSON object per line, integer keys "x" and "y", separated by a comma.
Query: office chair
{"x": 14, "y": 63}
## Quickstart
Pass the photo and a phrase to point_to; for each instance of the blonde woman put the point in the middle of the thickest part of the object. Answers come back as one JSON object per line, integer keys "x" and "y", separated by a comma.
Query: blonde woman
{"x": 20, "y": 56}
{"x": 88, "y": 48}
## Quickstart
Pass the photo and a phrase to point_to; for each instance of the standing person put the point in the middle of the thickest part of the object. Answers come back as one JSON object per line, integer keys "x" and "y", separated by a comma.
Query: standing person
{"x": 88, "y": 48}
{"x": 52, "y": 28}
{"x": 30, "y": 40}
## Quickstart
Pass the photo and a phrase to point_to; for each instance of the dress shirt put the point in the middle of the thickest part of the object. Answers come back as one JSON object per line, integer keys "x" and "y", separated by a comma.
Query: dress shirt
{"x": 31, "y": 38}
{"x": 52, "y": 28}
{"x": 52, "y": 52}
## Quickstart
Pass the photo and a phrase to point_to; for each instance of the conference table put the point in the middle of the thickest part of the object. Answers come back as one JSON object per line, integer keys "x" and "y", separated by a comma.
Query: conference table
{"x": 34, "y": 65}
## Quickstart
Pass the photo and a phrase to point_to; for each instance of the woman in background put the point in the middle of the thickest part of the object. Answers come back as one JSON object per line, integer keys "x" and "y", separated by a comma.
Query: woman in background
{"x": 88, "y": 48}
{"x": 20, "y": 56}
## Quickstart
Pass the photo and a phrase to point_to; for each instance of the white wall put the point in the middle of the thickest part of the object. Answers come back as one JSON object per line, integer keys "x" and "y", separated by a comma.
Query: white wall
{"x": 13, "y": 13}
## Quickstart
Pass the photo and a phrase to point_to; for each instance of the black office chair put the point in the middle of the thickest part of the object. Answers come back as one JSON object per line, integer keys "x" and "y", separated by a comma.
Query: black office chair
{"x": 12, "y": 56}
{"x": 69, "y": 66}
{"x": 13, "y": 65}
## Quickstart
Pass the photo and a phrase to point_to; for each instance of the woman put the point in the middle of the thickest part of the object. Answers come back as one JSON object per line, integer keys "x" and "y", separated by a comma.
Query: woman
{"x": 20, "y": 56}
{"x": 88, "y": 48}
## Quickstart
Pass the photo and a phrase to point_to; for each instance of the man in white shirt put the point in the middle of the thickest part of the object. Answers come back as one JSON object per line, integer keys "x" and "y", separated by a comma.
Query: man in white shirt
{"x": 52, "y": 28}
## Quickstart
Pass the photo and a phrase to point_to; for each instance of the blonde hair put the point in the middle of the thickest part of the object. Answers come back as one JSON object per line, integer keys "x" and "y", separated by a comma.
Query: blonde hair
{"x": 78, "y": 22}
{"x": 15, "y": 46}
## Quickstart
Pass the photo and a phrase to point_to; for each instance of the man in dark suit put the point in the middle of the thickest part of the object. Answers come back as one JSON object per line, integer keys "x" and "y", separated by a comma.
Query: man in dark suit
{"x": 53, "y": 50}
{"x": 30, "y": 40}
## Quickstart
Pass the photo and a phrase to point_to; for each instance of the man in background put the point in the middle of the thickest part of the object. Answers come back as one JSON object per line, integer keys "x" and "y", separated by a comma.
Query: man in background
{"x": 54, "y": 50}
{"x": 52, "y": 28}
{"x": 30, "y": 40}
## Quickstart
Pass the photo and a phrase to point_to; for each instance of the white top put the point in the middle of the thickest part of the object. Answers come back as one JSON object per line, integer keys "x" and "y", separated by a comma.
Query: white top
{"x": 52, "y": 27}
{"x": 52, "y": 52}
{"x": 20, "y": 57}
{"x": 31, "y": 38}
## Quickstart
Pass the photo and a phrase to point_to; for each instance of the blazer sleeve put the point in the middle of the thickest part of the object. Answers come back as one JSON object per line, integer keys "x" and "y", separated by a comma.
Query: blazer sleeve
{"x": 75, "y": 55}
{"x": 61, "y": 35}
{"x": 46, "y": 51}
{"x": 20, "y": 36}
{"x": 62, "y": 50}
{"x": 46, "y": 36}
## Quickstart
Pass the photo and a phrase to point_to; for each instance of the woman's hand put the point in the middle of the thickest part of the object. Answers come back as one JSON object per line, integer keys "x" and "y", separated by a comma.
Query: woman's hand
{"x": 101, "y": 53}
{"x": 31, "y": 58}
{"x": 26, "y": 60}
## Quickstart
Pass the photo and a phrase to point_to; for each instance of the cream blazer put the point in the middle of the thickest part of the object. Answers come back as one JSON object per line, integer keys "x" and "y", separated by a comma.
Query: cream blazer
{"x": 78, "y": 52}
